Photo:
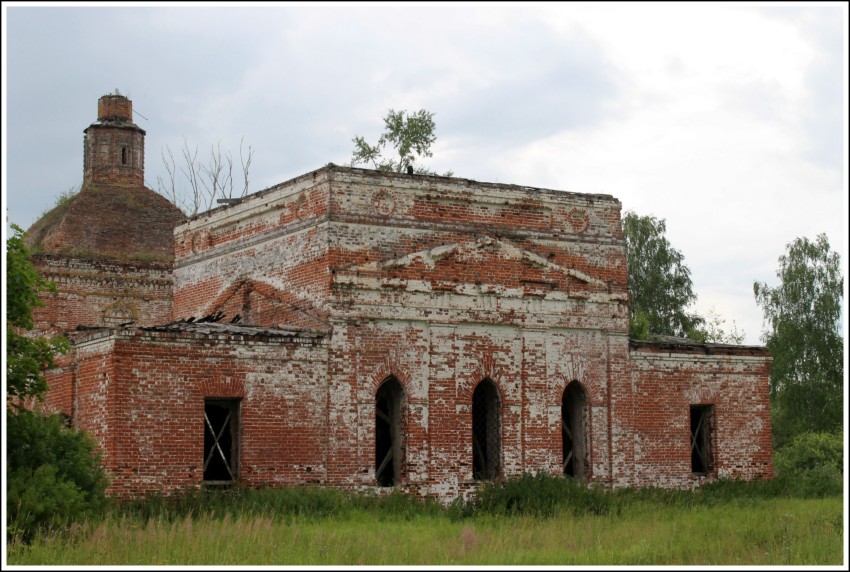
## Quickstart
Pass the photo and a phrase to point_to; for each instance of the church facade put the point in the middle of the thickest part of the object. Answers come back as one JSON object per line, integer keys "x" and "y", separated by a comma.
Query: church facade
{"x": 362, "y": 329}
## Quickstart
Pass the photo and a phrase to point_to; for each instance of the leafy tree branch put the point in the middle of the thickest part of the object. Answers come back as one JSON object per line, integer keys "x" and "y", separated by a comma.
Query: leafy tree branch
{"x": 410, "y": 135}
{"x": 26, "y": 356}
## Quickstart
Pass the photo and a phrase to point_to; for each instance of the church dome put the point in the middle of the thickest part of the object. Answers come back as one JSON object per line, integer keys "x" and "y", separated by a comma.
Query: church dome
{"x": 122, "y": 222}
{"x": 114, "y": 215}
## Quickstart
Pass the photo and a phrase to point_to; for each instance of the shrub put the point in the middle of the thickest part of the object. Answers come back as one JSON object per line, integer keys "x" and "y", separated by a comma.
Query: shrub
{"x": 811, "y": 465}
{"x": 53, "y": 474}
{"x": 809, "y": 451}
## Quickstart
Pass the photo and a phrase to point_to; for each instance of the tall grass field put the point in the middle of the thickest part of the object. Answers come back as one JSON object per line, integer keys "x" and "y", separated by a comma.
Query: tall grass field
{"x": 530, "y": 521}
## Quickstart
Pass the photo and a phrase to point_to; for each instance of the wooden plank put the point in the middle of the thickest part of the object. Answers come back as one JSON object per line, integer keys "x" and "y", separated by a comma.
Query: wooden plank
{"x": 566, "y": 429}
{"x": 476, "y": 450}
{"x": 383, "y": 464}
{"x": 215, "y": 442}
{"x": 395, "y": 435}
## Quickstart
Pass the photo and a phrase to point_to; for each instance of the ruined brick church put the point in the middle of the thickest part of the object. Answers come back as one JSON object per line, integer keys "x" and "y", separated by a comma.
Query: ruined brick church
{"x": 367, "y": 330}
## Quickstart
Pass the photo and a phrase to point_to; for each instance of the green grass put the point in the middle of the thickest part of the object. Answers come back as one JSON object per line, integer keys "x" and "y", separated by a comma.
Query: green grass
{"x": 347, "y": 531}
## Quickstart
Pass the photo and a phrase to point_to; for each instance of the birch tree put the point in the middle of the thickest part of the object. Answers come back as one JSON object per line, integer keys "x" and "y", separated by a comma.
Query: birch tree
{"x": 801, "y": 317}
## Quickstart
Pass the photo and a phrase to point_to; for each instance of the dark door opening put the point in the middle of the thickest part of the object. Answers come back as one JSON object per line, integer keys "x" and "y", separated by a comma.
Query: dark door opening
{"x": 221, "y": 431}
{"x": 701, "y": 418}
{"x": 486, "y": 437}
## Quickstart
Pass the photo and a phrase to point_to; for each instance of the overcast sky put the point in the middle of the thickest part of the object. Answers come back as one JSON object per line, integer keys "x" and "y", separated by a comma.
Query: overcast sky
{"x": 728, "y": 121}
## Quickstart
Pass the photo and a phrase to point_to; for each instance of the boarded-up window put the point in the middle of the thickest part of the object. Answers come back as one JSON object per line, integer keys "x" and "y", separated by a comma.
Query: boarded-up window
{"x": 221, "y": 440}
{"x": 388, "y": 433}
{"x": 486, "y": 431}
{"x": 702, "y": 419}
{"x": 573, "y": 430}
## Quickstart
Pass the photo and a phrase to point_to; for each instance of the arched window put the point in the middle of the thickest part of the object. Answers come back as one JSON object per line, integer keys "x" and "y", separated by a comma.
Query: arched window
{"x": 486, "y": 431}
{"x": 573, "y": 430}
{"x": 388, "y": 433}
{"x": 123, "y": 155}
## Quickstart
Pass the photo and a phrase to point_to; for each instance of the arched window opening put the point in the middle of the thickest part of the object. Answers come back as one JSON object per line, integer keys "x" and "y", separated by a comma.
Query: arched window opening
{"x": 388, "y": 433}
{"x": 486, "y": 432}
{"x": 574, "y": 435}
{"x": 123, "y": 155}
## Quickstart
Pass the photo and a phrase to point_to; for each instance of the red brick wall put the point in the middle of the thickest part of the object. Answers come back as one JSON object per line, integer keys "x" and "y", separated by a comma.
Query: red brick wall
{"x": 278, "y": 240}
{"x": 94, "y": 392}
{"x": 439, "y": 367}
{"x": 440, "y": 283}
{"x": 159, "y": 389}
{"x": 102, "y": 292}
{"x": 308, "y": 408}
{"x": 381, "y": 217}
{"x": 667, "y": 384}
{"x": 60, "y": 384}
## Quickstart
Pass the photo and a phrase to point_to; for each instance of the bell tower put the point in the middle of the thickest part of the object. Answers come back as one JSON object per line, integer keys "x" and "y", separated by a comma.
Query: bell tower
{"x": 114, "y": 146}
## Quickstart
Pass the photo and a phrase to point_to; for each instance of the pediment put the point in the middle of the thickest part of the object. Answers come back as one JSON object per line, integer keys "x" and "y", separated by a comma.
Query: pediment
{"x": 485, "y": 260}
{"x": 256, "y": 303}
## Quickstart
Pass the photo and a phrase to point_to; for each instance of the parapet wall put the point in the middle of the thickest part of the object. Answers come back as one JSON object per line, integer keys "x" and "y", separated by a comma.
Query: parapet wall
{"x": 319, "y": 242}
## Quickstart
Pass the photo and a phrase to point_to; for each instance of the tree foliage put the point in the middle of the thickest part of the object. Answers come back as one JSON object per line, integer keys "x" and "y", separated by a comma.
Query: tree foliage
{"x": 660, "y": 285}
{"x": 713, "y": 330}
{"x": 411, "y": 135}
{"x": 52, "y": 472}
{"x": 26, "y": 357}
{"x": 802, "y": 333}
{"x": 53, "y": 475}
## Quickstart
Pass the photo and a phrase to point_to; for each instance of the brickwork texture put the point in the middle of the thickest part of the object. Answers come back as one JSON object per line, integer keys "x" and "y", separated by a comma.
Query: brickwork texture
{"x": 262, "y": 352}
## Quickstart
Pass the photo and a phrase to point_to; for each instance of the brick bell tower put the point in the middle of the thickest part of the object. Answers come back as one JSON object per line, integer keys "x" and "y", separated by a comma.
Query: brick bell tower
{"x": 110, "y": 247}
{"x": 114, "y": 146}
